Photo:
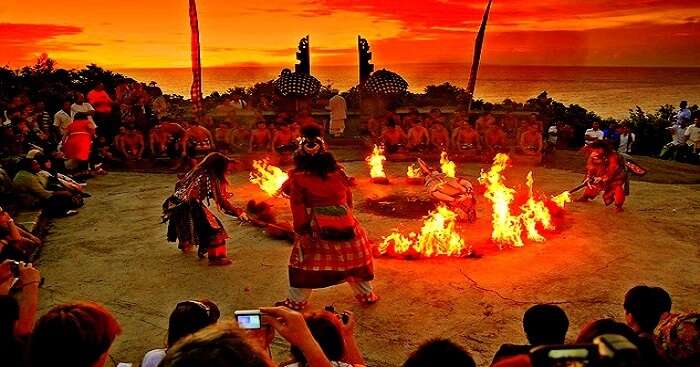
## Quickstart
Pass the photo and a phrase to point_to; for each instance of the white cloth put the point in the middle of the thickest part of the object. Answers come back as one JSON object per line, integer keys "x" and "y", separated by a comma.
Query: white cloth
{"x": 338, "y": 107}
{"x": 677, "y": 134}
{"x": 61, "y": 120}
{"x": 552, "y": 134}
{"x": 693, "y": 135}
{"x": 626, "y": 142}
{"x": 153, "y": 358}
{"x": 85, "y": 107}
{"x": 683, "y": 115}
{"x": 594, "y": 134}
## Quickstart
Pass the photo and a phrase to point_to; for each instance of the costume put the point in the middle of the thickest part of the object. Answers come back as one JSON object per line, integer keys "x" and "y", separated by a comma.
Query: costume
{"x": 190, "y": 221}
{"x": 78, "y": 140}
{"x": 607, "y": 174}
{"x": 199, "y": 141}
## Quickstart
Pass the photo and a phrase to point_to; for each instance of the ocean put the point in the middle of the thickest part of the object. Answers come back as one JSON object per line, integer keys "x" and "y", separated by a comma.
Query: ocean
{"x": 607, "y": 91}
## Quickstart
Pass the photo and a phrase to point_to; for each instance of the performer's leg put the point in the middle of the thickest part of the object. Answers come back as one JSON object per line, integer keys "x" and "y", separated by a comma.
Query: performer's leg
{"x": 619, "y": 193}
{"x": 297, "y": 300}
{"x": 217, "y": 255}
{"x": 363, "y": 291}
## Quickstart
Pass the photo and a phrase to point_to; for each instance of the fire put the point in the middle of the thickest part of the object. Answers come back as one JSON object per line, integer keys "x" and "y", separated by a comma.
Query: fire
{"x": 447, "y": 167}
{"x": 376, "y": 162}
{"x": 413, "y": 171}
{"x": 437, "y": 237}
{"x": 268, "y": 177}
{"x": 561, "y": 199}
{"x": 508, "y": 228}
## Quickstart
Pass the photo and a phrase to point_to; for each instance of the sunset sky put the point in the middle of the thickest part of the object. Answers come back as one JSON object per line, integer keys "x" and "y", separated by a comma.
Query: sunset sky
{"x": 155, "y": 33}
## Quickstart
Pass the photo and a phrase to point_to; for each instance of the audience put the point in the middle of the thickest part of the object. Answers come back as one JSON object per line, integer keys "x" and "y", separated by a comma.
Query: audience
{"x": 17, "y": 316}
{"x": 439, "y": 352}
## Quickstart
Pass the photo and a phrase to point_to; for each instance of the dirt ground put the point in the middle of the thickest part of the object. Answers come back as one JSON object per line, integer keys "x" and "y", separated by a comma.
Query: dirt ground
{"x": 115, "y": 252}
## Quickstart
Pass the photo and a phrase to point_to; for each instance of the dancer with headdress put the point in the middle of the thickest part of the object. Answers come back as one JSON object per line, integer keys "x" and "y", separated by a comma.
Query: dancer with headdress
{"x": 190, "y": 221}
{"x": 330, "y": 245}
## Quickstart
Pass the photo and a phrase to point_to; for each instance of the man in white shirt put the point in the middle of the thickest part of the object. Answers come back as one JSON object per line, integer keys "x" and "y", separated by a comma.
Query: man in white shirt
{"x": 338, "y": 109}
{"x": 692, "y": 134}
{"x": 81, "y": 105}
{"x": 63, "y": 118}
{"x": 627, "y": 139}
{"x": 593, "y": 134}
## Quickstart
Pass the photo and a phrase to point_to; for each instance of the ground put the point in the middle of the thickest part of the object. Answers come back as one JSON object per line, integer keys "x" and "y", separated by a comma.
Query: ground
{"x": 115, "y": 252}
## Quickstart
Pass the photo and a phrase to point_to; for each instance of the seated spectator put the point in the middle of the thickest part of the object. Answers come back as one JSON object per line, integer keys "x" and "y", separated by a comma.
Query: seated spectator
{"x": 33, "y": 191}
{"x": 16, "y": 243}
{"x": 392, "y": 138}
{"x": 647, "y": 350}
{"x": 644, "y": 307}
{"x": 692, "y": 136}
{"x": 225, "y": 345}
{"x": 73, "y": 334}
{"x": 187, "y": 318}
{"x": 17, "y": 318}
{"x": 678, "y": 339}
{"x": 466, "y": 140}
{"x": 543, "y": 324}
{"x": 336, "y": 338}
{"x": 440, "y": 352}
{"x": 418, "y": 137}
{"x": 57, "y": 181}
{"x": 260, "y": 138}
{"x": 130, "y": 143}
{"x": 439, "y": 136}
{"x": 283, "y": 141}
{"x": 530, "y": 142}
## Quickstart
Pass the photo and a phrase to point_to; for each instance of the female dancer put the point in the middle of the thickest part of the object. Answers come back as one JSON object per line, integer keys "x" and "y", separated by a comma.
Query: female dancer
{"x": 190, "y": 221}
{"x": 330, "y": 246}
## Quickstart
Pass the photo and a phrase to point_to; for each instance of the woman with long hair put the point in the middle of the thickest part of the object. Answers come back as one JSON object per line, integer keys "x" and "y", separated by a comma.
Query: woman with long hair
{"x": 190, "y": 222}
{"x": 330, "y": 245}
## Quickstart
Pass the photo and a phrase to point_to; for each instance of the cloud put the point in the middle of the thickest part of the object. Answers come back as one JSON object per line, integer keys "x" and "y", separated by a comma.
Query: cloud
{"x": 22, "y": 42}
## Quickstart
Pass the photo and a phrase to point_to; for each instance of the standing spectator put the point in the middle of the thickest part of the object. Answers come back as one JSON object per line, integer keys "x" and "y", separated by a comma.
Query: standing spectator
{"x": 627, "y": 139}
{"x": 74, "y": 334}
{"x": 543, "y": 324}
{"x": 692, "y": 135}
{"x": 63, "y": 118}
{"x": 338, "y": 109}
{"x": 78, "y": 142}
{"x": 440, "y": 352}
{"x": 187, "y": 318}
{"x": 81, "y": 106}
{"x": 102, "y": 103}
{"x": 15, "y": 242}
{"x": 683, "y": 116}
{"x": 677, "y": 143}
{"x": 17, "y": 318}
{"x": 593, "y": 134}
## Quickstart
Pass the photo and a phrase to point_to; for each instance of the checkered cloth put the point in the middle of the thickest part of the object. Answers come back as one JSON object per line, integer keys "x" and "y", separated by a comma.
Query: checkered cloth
{"x": 196, "y": 89}
{"x": 318, "y": 263}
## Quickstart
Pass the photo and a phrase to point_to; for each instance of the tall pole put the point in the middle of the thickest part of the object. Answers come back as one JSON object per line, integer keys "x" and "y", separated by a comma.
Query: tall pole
{"x": 478, "y": 44}
{"x": 196, "y": 89}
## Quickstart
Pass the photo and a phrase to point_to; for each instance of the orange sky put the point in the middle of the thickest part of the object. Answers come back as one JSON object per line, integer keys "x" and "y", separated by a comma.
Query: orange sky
{"x": 155, "y": 33}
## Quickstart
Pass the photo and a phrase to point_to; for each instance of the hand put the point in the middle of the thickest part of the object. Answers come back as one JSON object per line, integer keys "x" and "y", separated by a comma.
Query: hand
{"x": 289, "y": 324}
{"x": 29, "y": 275}
{"x": 243, "y": 217}
{"x": 263, "y": 336}
{"x": 6, "y": 286}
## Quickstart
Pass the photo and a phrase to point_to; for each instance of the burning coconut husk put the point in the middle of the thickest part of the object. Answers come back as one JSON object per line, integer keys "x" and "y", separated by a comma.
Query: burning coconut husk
{"x": 268, "y": 177}
{"x": 376, "y": 166}
{"x": 414, "y": 175}
{"x": 261, "y": 214}
{"x": 447, "y": 167}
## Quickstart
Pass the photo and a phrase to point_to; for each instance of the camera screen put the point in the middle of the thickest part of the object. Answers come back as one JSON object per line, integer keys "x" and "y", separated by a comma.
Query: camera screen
{"x": 569, "y": 357}
{"x": 248, "y": 321}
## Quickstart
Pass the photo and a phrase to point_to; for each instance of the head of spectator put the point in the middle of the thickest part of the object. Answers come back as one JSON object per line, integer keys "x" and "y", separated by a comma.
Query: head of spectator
{"x": 643, "y": 308}
{"x": 189, "y": 317}
{"x": 43, "y": 160}
{"x": 545, "y": 324}
{"x": 66, "y": 106}
{"x": 75, "y": 334}
{"x": 439, "y": 352}
{"x": 684, "y": 105}
{"x": 595, "y": 126}
{"x": 220, "y": 345}
{"x": 678, "y": 339}
{"x": 391, "y": 124}
{"x": 326, "y": 329}
{"x": 99, "y": 86}
{"x": 696, "y": 121}
{"x": 79, "y": 98}
{"x": 30, "y": 165}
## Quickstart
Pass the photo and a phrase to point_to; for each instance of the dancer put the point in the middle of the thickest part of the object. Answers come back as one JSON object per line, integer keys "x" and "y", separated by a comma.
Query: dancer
{"x": 190, "y": 221}
{"x": 330, "y": 246}
{"x": 606, "y": 172}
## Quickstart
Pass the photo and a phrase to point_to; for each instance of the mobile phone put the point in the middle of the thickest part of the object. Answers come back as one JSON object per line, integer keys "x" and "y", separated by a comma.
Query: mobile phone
{"x": 248, "y": 319}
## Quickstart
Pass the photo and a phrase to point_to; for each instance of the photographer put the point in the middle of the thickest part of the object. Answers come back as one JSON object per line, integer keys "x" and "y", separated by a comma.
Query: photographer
{"x": 17, "y": 318}
{"x": 647, "y": 351}
{"x": 16, "y": 243}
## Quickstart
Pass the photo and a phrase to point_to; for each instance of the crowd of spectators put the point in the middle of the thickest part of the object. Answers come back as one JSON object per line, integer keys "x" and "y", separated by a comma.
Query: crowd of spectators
{"x": 81, "y": 334}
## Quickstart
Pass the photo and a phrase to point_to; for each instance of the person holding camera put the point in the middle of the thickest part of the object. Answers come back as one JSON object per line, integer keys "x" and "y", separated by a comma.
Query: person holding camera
{"x": 17, "y": 317}
{"x": 330, "y": 245}
{"x": 16, "y": 243}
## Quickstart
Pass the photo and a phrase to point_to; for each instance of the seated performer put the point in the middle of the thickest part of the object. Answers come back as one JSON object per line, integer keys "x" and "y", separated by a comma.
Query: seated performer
{"x": 283, "y": 141}
{"x": 418, "y": 136}
{"x": 439, "y": 136}
{"x": 375, "y": 126}
{"x": 165, "y": 138}
{"x": 484, "y": 122}
{"x": 466, "y": 141}
{"x": 495, "y": 140}
{"x": 130, "y": 143}
{"x": 190, "y": 221}
{"x": 530, "y": 143}
{"x": 393, "y": 138}
{"x": 330, "y": 247}
{"x": 605, "y": 172}
{"x": 221, "y": 135}
{"x": 260, "y": 137}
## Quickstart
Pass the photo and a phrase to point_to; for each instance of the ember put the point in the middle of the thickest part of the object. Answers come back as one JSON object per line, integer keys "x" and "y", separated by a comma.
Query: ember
{"x": 376, "y": 165}
{"x": 268, "y": 177}
{"x": 447, "y": 167}
{"x": 437, "y": 237}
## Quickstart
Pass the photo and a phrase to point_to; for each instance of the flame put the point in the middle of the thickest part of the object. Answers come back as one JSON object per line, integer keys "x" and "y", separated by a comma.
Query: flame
{"x": 447, "y": 167}
{"x": 561, "y": 199}
{"x": 413, "y": 171}
{"x": 533, "y": 212}
{"x": 376, "y": 162}
{"x": 436, "y": 238}
{"x": 268, "y": 177}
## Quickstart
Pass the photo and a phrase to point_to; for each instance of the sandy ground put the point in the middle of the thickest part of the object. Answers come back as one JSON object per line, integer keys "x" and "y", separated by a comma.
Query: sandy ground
{"x": 115, "y": 252}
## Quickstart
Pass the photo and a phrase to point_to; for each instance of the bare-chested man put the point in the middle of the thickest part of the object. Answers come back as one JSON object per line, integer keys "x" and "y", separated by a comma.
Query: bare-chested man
{"x": 484, "y": 122}
{"x": 260, "y": 137}
{"x": 495, "y": 140}
{"x": 418, "y": 136}
{"x": 130, "y": 143}
{"x": 393, "y": 137}
{"x": 439, "y": 136}
{"x": 283, "y": 141}
{"x": 466, "y": 140}
{"x": 531, "y": 141}
{"x": 221, "y": 135}
{"x": 165, "y": 138}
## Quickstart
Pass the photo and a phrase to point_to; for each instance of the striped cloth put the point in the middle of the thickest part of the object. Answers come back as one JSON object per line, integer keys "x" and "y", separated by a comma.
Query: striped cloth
{"x": 196, "y": 89}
